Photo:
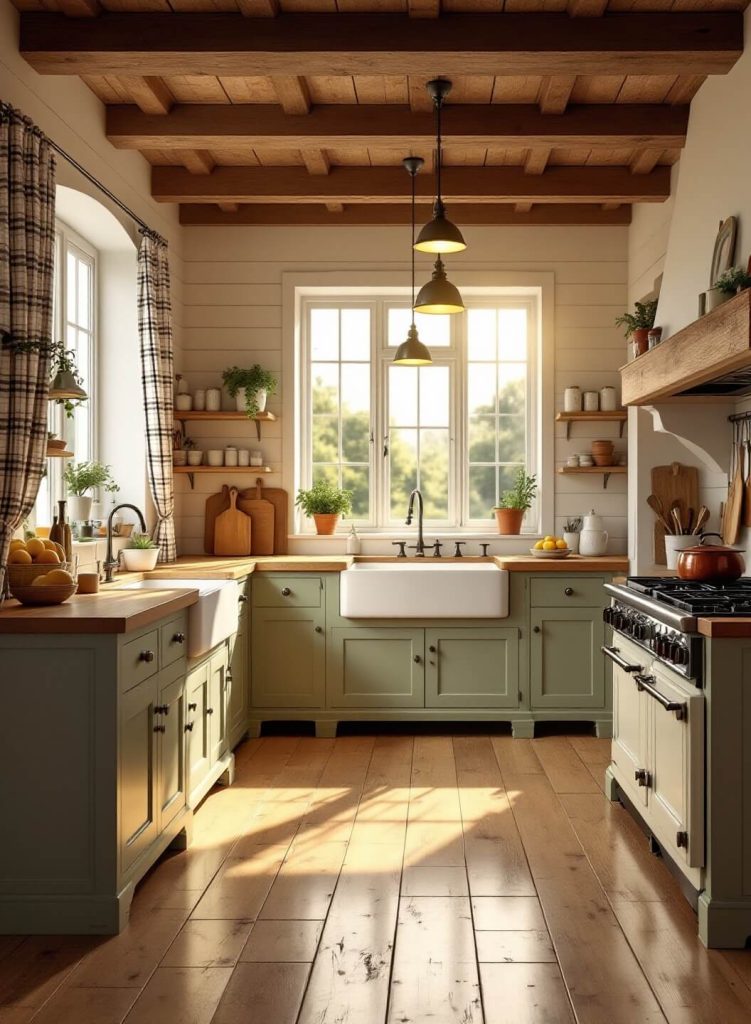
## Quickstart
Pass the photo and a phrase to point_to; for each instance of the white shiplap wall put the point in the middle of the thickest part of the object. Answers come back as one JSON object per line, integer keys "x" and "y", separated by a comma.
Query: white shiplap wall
{"x": 232, "y": 313}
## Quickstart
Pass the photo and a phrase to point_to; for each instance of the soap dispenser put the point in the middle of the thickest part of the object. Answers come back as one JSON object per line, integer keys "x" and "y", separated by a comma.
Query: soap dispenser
{"x": 353, "y": 541}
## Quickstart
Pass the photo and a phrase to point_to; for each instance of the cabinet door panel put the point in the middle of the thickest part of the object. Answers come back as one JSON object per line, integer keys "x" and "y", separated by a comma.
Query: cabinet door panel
{"x": 376, "y": 668}
{"x": 474, "y": 668}
{"x": 567, "y": 664}
{"x": 199, "y": 751}
{"x": 217, "y": 709}
{"x": 288, "y": 659}
{"x": 171, "y": 781}
{"x": 138, "y": 800}
{"x": 629, "y": 747}
{"x": 238, "y": 681}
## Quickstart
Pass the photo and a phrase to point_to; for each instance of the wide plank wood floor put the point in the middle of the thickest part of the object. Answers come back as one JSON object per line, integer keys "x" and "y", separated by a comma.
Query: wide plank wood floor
{"x": 393, "y": 879}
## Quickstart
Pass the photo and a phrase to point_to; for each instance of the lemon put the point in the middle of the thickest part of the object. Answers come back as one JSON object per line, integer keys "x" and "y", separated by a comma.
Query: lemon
{"x": 546, "y": 539}
{"x": 538, "y": 545}
{"x": 561, "y": 545}
{"x": 548, "y": 545}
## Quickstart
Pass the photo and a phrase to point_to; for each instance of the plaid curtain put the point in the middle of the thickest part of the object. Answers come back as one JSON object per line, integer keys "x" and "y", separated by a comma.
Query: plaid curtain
{"x": 157, "y": 376}
{"x": 27, "y": 247}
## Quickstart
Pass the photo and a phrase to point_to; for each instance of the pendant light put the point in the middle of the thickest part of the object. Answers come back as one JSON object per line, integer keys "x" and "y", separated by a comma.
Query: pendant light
{"x": 439, "y": 295}
{"x": 412, "y": 352}
{"x": 440, "y": 234}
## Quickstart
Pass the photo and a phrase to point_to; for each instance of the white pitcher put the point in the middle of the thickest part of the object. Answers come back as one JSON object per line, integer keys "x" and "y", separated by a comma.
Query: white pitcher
{"x": 593, "y": 540}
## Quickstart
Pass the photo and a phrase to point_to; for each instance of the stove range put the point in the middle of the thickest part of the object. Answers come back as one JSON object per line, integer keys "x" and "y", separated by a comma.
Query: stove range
{"x": 661, "y": 615}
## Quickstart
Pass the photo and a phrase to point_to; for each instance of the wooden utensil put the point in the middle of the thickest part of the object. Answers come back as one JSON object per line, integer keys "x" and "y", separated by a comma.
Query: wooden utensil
{"x": 688, "y": 526}
{"x": 701, "y": 517}
{"x": 676, "y": 516}
{"x": 214, "y": 505}
{"x": 280, "y": 500}
{"x": 262, "y": 515}
{"x": 232, "y": 532}
{"x": 732, "y": 521}
{"x": 656, "y": 505}
{"x": 747, "y": 486}
{"x": 669, "y": 483}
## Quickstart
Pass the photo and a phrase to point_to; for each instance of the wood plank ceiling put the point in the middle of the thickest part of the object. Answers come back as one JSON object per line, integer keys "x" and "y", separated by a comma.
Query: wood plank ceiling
{"x": 300, "y": 111}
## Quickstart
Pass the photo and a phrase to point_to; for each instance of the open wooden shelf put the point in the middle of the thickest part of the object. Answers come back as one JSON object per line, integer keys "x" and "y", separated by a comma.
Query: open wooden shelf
{"x": 616, "y": 416}
{"x": 593, "y": 470}
{"x": 218, "y": 417}
{"x": 58, "y": 453}
{"x": 248, "y": 470}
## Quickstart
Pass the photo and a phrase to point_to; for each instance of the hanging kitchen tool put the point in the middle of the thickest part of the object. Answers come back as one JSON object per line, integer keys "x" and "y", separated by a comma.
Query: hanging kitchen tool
{"x": 732, "y": 521}
{"x": 232, "y": 532}
{"x": 214, "y": 505}
{"x": 671, "y": 483}
{"x": 262, "y": 515}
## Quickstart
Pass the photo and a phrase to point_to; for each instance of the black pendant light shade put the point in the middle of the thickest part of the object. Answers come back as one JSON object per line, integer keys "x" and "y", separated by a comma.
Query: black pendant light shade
{"x": 412, "y": 352}
{"x": 439, "y": 234}
{"x": 439, "y": 295}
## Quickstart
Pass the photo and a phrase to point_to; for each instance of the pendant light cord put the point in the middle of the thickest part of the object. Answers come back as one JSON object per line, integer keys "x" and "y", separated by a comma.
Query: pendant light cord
{"x": 413, "y": 176}
{"x": 438, "y": 105}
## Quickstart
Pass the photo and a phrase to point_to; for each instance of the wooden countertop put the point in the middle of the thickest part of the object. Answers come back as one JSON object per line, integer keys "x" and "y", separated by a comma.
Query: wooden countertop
{"x": 109, "y": 611}
{"x": 731, "y": 628}
{"x": 574, "y": 563}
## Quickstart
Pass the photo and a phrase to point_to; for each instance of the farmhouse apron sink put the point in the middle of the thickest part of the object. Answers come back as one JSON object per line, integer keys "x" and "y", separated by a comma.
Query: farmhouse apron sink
{"x": 424, "y": 590}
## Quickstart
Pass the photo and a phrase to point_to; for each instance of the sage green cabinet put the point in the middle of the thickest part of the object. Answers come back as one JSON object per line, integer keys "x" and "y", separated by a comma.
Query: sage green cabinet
{"x": 170, "y": 726}
{"x": 376, "y": 667}
{"x": 238, "y": 678}
{"x": 472, "y": 668}
{"x": 197, "y": 729}
{"x": 139, "y": 825}
{"x": 567, "y": 667}
{"x": 209, "y": 758}
{"x": 218, "y": 702}
{"x": 289, "y": 657}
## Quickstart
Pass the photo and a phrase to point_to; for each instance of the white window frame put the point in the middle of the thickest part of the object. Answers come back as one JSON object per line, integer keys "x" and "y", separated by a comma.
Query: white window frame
{"x": 492, "y": 288}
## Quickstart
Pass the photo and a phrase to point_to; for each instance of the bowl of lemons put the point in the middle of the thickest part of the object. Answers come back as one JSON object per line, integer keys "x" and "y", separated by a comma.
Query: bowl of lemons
{"x": 551, "y": 547}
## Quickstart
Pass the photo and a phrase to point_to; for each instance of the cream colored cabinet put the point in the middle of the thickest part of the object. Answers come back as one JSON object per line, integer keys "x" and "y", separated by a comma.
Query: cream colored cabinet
{"x": 197, "y": 728}
{"x": 629, "y": 746}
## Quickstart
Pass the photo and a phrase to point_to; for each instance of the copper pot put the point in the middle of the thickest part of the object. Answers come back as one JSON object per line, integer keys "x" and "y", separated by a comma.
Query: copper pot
{"x": 710, "y": 562}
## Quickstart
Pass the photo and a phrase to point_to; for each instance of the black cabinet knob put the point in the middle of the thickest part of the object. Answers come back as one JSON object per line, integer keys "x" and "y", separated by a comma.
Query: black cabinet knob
{"x": 242, "y": 598}
{"x": 319, "y": 629}
{"x": 536, "y": 629}
{"x": 178, "y": 638}
{"x": 432, "y": 649}
{"x": 417, "y": 659}
{"x": 160, "y": 728}
{"x": 568, "y": 591}
{"x": 189, "y": 727}
{"x": 192, "y": 707}
{"x": 161, "y": 709}
{"x": 209, "y": 711}
{"x": 286, "y": 591}
{"x": 146, "y": 656}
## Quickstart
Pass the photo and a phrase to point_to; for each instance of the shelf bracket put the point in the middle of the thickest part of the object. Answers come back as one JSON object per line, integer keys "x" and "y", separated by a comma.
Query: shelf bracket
{"x": 191, "y": 480}
{"x": 621, "y": 425}
{"x": 258, "y": 429}
{"x": 605, "y": 478}
{"x": 568, "y": 430}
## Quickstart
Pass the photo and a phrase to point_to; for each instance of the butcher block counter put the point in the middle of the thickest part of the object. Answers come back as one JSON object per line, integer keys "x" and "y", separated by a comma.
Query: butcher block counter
{"x": 724, "y": 628}
{"x": 109, "y": 611}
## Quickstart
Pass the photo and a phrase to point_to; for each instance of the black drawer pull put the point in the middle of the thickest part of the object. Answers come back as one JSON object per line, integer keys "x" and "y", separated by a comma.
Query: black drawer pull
{"x": 161, "y": 709}
{"x": 679, "y": 709}
{"x": 242, "y": 598}
{"x": 209, "y": 711}
{"x": 319, "y": 629}
{"x": 286, "y": 591}
{"x": 146, "y": 656}
{"x": 614, "y": 654}
{"x": 643, "y": 777}
{"x": 160, "y": 728}
{"x": 536, "y": 629}
{"x": 189, "y": 727}
{"x": 417, "y": 659}
{"x": 569, "y": 591}
{"x": 192, "y": 707}
{"x": 178, "y": 638}
{"x": 432, "y": 649}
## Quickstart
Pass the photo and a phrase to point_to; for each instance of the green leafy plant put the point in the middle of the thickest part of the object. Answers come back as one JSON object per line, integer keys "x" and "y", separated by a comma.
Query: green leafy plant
{"x": 522, "y": 494}
{"x": 63, "y": 360}
{"x": 81, "y": 477}
{"x": 251, "y": 381}
{"x": 324, "y": 499}
{"x": 189, "y": 444}
{"x": 643, "y": 317}
{"x": 733, "y": 280}
{"x": 141, "y": 542}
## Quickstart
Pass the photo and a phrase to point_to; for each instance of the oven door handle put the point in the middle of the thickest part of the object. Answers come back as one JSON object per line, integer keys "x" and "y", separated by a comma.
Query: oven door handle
{"x": 614, "y": 654}
{"x": 679, "y": 708}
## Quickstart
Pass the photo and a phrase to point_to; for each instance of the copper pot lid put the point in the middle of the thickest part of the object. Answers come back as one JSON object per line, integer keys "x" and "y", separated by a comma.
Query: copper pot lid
{"x": 717, "y": 549}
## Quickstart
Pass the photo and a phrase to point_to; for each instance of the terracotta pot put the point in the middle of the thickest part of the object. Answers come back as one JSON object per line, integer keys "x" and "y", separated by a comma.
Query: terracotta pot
{"x": 640, "y": 338}
{"x": 326, "y": 523}
{"x": 710, "y": 562}
{"x": 509, "y": 520}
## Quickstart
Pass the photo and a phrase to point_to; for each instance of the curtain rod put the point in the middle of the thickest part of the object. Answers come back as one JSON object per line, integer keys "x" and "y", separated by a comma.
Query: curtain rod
{"x": 737, "y": 417}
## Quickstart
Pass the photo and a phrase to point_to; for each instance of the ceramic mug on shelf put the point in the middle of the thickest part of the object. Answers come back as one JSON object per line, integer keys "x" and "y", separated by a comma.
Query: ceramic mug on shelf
{"x": 230, "y": 455}
{"x": 195, "y": 457}
{"x": 607, "y": 399}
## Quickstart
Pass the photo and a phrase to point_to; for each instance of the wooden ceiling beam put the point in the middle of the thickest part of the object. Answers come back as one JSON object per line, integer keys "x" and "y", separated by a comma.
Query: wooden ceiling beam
{"x": 80, "y": 8}
{"x": 259, "y": 8}
{"x": 213, "y": 126}
{"x": 555, "y": 93}
{"x": 228, "y": 207}
{"x": 386, "y": 185}
{"x": 424, "y": 8}
{"x": 316, "y": 161}
{"x": 536, "y": 160}
{"x": 546, "y": 43}
{"x": 293, "y": 93}
{"x": 197, "y": 161}
{"x": 504, "y": 214}
{"x": 150, "y": 93}
{"x": 645, "y": 161}
{"x": 587, "y": 8}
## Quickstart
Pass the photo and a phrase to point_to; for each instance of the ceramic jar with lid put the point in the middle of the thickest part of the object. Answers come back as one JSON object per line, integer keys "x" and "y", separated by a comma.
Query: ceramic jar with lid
{"x": 213, "y": 399}
{"x": 572, "y": 399}
{"x": 230, "y": 455}
{"x": 591, "y": 401}
{"x": 593, "y": 539}
{"x": 607, "y": 399}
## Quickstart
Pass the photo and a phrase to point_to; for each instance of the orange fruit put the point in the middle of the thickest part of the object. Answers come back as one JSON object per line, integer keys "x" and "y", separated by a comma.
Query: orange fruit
{"x": 49, "y": 544}
{"x": 35, "y": 547}
{"x": 19, "y": 557}
{"x": 17, "y": 545}
{"x": 48, "y": 557}
{"x": 57, "y": 577}
{"x": 40, "y": 581}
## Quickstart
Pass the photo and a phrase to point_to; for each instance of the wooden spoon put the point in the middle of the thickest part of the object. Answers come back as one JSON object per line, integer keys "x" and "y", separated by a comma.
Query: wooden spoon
{"x": 701, "y": 517}
{"x": 657, "y": 507}
{"x": 675, "y": 513}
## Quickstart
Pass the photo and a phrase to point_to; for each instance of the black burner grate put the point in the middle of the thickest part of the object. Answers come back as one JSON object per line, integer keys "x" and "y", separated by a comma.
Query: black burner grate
{"x": 732, "y": 598}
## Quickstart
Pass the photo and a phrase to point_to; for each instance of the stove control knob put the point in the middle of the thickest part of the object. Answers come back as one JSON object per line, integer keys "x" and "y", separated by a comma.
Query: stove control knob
{"x": 607, "y": 615}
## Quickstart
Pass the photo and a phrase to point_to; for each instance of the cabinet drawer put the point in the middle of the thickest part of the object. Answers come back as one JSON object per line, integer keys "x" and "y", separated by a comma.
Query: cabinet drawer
{"x": 172, "y": 641}
{"x": 287, "y": 592}
{"x": 560, "y": 591}
{"x": 139, "y": 659}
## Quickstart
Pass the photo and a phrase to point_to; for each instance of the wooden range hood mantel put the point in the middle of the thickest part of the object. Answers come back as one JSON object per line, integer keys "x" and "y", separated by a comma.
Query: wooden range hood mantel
{"x": 707, "y": 350}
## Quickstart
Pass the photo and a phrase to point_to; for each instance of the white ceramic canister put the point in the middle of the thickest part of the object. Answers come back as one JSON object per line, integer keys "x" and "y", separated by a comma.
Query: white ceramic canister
{"x": 593, "y": 539}
{"x": 195, "y": 457}
{"x": 215, "y": 457}
{"x": 230, "y": 455}
{"x": 243, "y": 457}
{"x": 182, "y": 387}
{"x": 607, "y": 399}
{"x": 213, "y": 399}
{"x": 591, "y": 401}
{"x": 572, "y": 541}
{"x": 183, "y": 403}
{"x": 572, "y": 399}
{"x": 199, "y": 400}
{"x": 256, "y": 458}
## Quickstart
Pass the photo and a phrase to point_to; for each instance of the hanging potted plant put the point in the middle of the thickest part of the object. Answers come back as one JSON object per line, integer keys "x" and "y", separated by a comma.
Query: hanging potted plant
{"x": 66, "y": 384}
{"x": 141, "y": 553}
{"x": 638, "y": 324}
{"x": 325, "y": 504}
{"x": 515, "y": 502}
{"x": 250, "y": 388}
{"x": 82, "y": 477}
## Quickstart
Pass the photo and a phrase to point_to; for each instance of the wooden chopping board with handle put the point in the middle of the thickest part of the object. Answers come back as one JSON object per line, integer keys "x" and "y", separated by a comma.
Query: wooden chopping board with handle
{"x": 675, "y": 482}
{"x": 232, "y": 530}
{"x": 216, "y": 504}
{"x": 732, "y": 519}
{"x": 280, "y": 500}
{"x": 252, "y": 503}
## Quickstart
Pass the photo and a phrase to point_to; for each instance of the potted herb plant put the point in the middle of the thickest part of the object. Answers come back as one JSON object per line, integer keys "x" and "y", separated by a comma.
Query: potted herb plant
{"x": 325, "y": 503}
{"x": 250, "y": 388}
{"x": 515, "y": 502}
{"x": 82, "y": 477}
{"x": 638, "y": 324}
{"x": 141, "y": 554}
{"x": 726, "y": 286}
{"x": 66, "y": 384}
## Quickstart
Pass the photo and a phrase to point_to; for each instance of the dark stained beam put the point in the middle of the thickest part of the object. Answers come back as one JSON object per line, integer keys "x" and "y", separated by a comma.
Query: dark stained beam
{"x": 690, "y": 43}
{"x": 213, "y": 126}
{"x": 503, "y": 214}
{"x": 386, "y": 185}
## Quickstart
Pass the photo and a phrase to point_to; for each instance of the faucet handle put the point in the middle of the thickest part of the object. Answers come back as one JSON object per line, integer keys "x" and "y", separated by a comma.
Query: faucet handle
{"x": 437, "y": 545}
{"x": 485, "y": 550}
{"x": 458, "y": 545}
{"x": 401, "y": 544}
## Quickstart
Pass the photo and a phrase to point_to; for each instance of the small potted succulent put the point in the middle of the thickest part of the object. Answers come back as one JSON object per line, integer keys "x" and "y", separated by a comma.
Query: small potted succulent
{"x": 325, "y": 503}
{"x": 141, "y": 553}
{"x": 515, "y": 502}
{"x": 82, "y": 477}
{"x": 638, "y": 324}
{"x": 726, "y": 286}
{"x": 250, "y": 388}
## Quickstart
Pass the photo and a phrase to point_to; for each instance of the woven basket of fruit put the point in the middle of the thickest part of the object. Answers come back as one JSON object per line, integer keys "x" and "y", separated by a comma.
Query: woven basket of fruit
{"x": 39, "y": 565}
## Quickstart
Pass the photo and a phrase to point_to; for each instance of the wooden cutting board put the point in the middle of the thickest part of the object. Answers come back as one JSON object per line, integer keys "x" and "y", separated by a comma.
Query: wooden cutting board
{"x": 261, "y": 512}
{"x": 214, "y": 505}
{"x": 232, "y": 531}
{"x": 675, "y": 482}
{"x": 280, "y": 500}
{"x": 732, "y": 519}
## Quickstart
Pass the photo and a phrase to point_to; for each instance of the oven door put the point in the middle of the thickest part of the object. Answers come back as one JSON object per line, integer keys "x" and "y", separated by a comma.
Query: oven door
{"x": 676, "y": 765}
{"x": 629, "y": 746}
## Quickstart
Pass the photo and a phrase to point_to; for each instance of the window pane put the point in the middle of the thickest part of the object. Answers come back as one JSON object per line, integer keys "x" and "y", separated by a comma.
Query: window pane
{"x": 355, "y": 412}
{"x": 356, "y": 479}
{"x": 403, "y": 396}
{"x": 328, "y": 473}
{"x": 434, "y": 472}
{"x": 324, "y": 333}
{"x": 512, "y": 333}
{"x": 512, "y": 387}
{"x": 482, "y": 496}
{"x": 403, "y": 465}
{"x": 482, "y": 435}
{"x": 83, "y": 312}
{"x": 512, "y": 440}
{"x": 481, "y": 334}
{"x": 481, "y": 388}
{"x": 435, "y": 405}
{"x": 506, "y": 478}
{"x": 356, "y": 334}
{"x": 325, "y": 386}
{"x": 434, "y": 331}
{"x": 325, "y": 439}
{"x": 70, "y": 285}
